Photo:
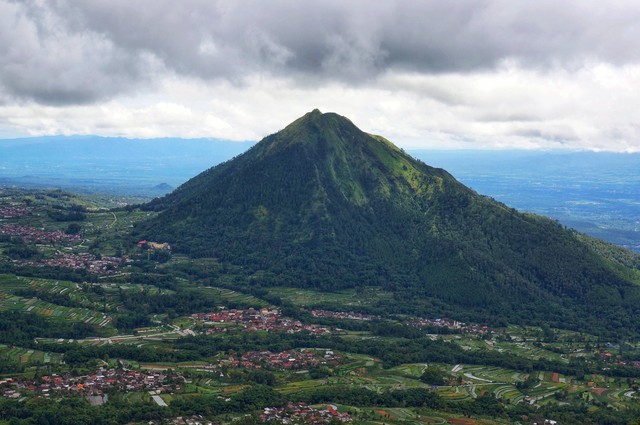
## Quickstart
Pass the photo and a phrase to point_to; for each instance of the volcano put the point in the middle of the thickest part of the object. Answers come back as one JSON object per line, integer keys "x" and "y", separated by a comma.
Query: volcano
{"x": 324, "y": 205}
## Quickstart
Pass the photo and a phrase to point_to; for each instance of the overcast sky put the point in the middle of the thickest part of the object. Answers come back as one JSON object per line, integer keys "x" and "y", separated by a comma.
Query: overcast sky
{"x": 425, "y": 73}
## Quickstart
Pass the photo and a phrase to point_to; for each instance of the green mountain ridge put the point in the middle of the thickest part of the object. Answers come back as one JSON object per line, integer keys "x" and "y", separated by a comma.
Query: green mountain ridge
{"x": 323, "y": 205}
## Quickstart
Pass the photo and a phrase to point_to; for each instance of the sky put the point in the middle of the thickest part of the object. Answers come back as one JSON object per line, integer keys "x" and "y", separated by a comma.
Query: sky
{"x": 454, "y": 74}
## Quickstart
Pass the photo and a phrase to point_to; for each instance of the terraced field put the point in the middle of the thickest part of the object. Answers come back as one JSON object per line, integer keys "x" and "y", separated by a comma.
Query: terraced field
{"x": 229, "y": 296}
{"x": 35, "y": 306}
{"x": 9, "y": 302}
{"x": 10, "y": 283}
{"x": 348, "y": 299}
{"x": 29, "y": 357}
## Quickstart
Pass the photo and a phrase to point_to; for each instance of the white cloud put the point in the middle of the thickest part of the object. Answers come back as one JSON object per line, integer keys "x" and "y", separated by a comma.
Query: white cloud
{"x": 496, "y": 73}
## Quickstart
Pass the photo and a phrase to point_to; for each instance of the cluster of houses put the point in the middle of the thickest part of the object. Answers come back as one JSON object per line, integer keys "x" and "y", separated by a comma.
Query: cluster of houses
{"x": 89, "y": 262}
{"x": 186, "y": 420}
{"x": 161, "y": 246}
{"x": 290, "y": 359}
{"x": 97, "y": 383}
{"x": 32, "y": 235}
{"x": 303, "y": 413}
{"x": 420, "y": 322}
{"x": 605, "y": 356}
{"x": 270, "y": 320}
{"x": 14, "y": 211}
{"x": 352, "y": 315}
{"x": 285, "y": 360}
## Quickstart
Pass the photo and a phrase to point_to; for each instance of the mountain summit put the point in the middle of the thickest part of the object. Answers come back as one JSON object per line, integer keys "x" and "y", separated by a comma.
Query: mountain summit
{"x": 324, "y": 205}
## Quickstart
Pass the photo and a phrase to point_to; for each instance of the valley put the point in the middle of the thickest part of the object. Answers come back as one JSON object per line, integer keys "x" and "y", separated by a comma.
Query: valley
{"x": 156, "y": 337}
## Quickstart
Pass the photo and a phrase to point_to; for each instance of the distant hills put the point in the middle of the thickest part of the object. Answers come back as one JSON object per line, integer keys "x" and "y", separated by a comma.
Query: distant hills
{"x": 323, "y": 205}
{"x": 595, "y": 192}
{"x": 163, "y": 187}
{"x": 111, "y": 165}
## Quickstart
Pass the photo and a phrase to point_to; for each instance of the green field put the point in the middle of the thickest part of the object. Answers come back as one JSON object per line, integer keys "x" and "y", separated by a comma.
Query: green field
{"x": 29, "y": 357}
{"x": 55, "y": 312}
{"x": 346, "y": 299}
{"x": 165, "y": 336}
{"x": 229, "y": 296}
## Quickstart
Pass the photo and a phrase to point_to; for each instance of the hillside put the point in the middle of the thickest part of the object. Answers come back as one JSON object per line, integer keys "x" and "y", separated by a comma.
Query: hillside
{"x": 324, "y": 205}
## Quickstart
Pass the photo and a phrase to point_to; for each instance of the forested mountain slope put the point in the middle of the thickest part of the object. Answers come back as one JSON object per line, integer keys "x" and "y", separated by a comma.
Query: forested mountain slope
{"x": 322, "y": 204}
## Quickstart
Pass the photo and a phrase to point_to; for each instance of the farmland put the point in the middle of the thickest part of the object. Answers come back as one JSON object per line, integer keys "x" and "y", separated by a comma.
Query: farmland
{"x": 225, "y": 335}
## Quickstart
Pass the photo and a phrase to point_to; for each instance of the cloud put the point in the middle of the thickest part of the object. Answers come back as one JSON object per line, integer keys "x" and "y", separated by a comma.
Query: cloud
{"x": 441, "y": 73}
{"x": 42, "y": 59}
{"x": 97, "y": 49}
{"x": 511, "y": 107}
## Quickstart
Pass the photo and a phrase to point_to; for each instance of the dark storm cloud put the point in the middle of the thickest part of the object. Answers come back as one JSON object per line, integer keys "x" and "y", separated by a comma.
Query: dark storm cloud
{"x": 72, "y": 52}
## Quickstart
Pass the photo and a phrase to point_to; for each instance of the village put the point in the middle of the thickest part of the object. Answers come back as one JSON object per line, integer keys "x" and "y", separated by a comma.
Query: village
{"x": 350, "y": 315}
{"x": 14, "y": 211}
{"x": 472, "y": 328}
{"x": 271, "y": 320}
{"x": 285, "y": 360}
{"x": 32, "y": 235}
{"x": 98, "y": 265}
{"x": 254, "y": 320}
{"x": 303, "y": 413}
{"x": 102, "y": 381}
{"x": 105, "y": 380}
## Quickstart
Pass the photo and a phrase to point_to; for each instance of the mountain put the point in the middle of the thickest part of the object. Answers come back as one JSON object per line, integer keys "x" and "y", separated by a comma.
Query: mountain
{"x": 163, "y": 187}
{"x": 593, "y": 192}
{"x": 323, "y": 205}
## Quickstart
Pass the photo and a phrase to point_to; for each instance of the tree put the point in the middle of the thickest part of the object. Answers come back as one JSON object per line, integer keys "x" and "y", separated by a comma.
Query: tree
{"x": 434, "y": 376}
{"x": 73, "y": 229}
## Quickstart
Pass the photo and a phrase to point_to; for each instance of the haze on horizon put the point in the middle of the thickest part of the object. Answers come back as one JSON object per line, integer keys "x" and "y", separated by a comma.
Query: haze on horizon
{"x": 425, "y": 74}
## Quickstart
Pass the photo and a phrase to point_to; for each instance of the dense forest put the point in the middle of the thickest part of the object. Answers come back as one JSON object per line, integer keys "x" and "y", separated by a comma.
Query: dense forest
{"x": 323, "y": 205}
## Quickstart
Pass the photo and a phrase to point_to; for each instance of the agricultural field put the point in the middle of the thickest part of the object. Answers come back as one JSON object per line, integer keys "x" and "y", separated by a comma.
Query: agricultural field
{"x": 143, "y": 317}
{"x": 346, "y": 299}
{"x": 95, "y": 305}
{"x": 55, "y": 312}
{"x": 231, "y": 297}
{"x": 29, "y": 357}
{"x": 9, "y": 285}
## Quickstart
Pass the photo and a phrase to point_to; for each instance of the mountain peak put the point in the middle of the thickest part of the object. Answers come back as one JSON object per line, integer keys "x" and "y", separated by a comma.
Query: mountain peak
{"x": 325, "y": 205}
{"x": 316, "y": 117}
{"x": 313, "y": 129}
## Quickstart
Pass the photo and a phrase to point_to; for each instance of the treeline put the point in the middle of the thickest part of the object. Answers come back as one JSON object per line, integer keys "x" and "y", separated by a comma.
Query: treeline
{"x": 58, "y": 273}
{"x": 50, "y": 297}
{"x": 180, "y": 303}
{"x": 18, "y": 250}
{"x": 71, "y": 213}
{"x": 17, "y": 328}
{"x": 77, "y": 355}
{"x": 360, "y": 396}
